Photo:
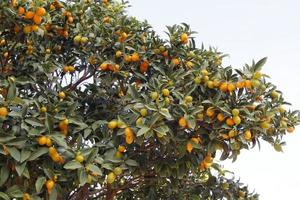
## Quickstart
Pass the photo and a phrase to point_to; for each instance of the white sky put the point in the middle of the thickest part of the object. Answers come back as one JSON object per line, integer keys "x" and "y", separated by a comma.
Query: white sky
{"x": 248, "y": 29}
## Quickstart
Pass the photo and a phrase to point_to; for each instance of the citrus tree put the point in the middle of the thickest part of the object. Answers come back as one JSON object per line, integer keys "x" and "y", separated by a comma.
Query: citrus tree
{"x": 95, "y": 105}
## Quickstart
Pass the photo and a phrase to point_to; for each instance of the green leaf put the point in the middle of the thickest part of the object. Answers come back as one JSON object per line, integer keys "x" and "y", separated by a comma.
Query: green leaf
{"x": 278, "y": 147}
{"x": 53, "y": 194}
{"x": 40, "y": 183}
{"x": 14, "y": 191}
{"x": 49, "y": 123}
{"x": 82, "y": 176}
{"x": 132, "y": 91}
{"x": 98, "y": 123}
{"x": 11, "y": 91}
{"x": 95, "y": 169}
{"x": 132, "y": 163}
{"x": 38, "y": 153}
{"x": 20, "y": 168}
{"x": 4, "y": 196}
{"x": 4, "y": 174}
{"x": 60, "y": 140}
{"x": 25, "y": 154}
{"x": 34, "y": 122}
{"x": 165, "y": 113}
{"x": 108, "y": 166}
{"x": 15, "y": 153}
{"x": 142, "y": 131}
{"x": 6, "y": 139}
{"x": 73, "y": 164}
{"x": 260, "y": 64}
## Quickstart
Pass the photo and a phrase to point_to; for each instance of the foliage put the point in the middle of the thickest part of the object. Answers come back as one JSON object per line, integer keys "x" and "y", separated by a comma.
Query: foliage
{"x": 95, "y": 105}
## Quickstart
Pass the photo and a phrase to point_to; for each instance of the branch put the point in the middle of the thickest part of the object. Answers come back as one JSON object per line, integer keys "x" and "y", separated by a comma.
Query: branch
{"x": 84, "y": 77}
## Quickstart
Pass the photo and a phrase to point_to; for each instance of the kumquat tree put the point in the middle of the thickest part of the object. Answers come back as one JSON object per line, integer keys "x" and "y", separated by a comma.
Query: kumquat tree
{"x": 95, "y": 105}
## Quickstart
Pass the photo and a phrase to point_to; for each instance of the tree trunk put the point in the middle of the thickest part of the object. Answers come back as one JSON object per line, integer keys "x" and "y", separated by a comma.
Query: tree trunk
{"x": 110, "y": 193}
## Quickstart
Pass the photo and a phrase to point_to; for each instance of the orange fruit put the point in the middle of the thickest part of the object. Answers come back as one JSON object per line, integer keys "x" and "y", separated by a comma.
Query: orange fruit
{"x": 235, "y": 112}
{"x": 240, "y": 84}
{"x": 21, "y": 10}
{"x": 52, "y": 151}
{"x": 135, "y": 57}
{"x": 40, "y": 11}
{"x": 129, "y": 139}
{"x": 247, "y": 84}
{"x": 34, "y": 28}
{"x": 165, "y": 54}
{"x": 49, "y": 185}
{"x": 229, "y": 121}
{"x": 175, "y": 61}
{"x": 27, "y": 29}
{"x": 189, "y": 147}
{"x": 56, "y": 157}
{"x": 166, "y": 92}
{"x": 70, "y": 19}
{"x": 29, "y": 15}
{"x": 71, "y": 69}
{"x": 184, "y": 38}
{"x": 118, "y": 54}
{"x": 79, "y": 158}
{"x": 143, "y": 112}
{"x": 237, "y": 120}
{"x": 144, "y": 66}
{"x": 42, "y": 140}
{"x": 37, "y": 19}
{"x": 247, "y": 135}
{"x": 121, "y": 148}
{"x": 290, "y": 129}
{"x": 231, "y": 87}
{"x": 26, "y": 196}
{"x": 128, "y": 58}
{"x": 232, "y": 133}
{"x": 48, "y": 142}
{"x": 61, "y": 95}
{"x": 3, "y": 112}
{"x": 128, "y": 132}
{"x": 118, "y": 154}
{"x": 103, "y": 66}
{"x": 182, "y": 122}
{"x": 111, "y": 177}
{"x": 112, "y": 124}
{"x": 224, "y": 87}
{"x": 220, "y": 117}
{"x": 216, "y": 83}
{"x": 265, "y": 125}
{"x": 210, "y": 112}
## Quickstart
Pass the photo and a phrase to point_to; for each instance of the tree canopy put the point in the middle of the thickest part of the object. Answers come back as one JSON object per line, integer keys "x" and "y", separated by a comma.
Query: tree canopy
{"x": 95, "y": 105}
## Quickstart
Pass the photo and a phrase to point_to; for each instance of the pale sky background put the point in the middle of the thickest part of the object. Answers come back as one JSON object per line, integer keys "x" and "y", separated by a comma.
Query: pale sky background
{"x": 247, "y": 29}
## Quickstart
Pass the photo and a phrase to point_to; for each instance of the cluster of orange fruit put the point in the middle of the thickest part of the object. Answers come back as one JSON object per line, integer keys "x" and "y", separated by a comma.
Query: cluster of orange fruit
{"x": 121, "y": 149}
{"x": 68, "y": 16}
{"x": 36, "y": 17}
{"x": 189, "y": 145}
{"x": 111, "y": 177}
{"x": 109, "y": 67}
{"x": 44, "y": 140}
{"x": 206, "y": 162}
{"x": 122, "y": 36}
{"x": 63, "y": 126}
{"x": 55, "y": 156}
{"x": 128, "y": 132}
